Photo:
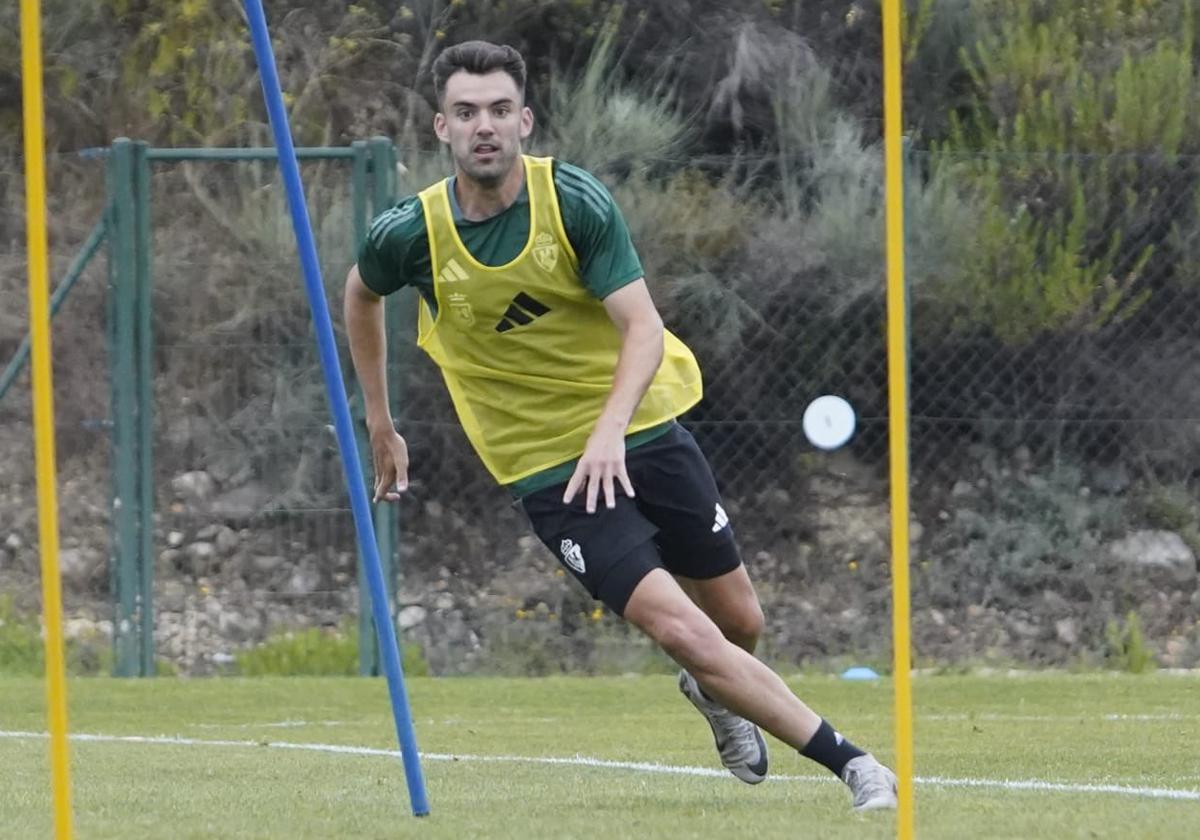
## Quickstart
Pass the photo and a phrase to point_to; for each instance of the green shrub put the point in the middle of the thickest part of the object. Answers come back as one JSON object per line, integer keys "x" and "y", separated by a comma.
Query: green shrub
{"x": 22, "y": 650}
{"x": 1126, "y": 647}
{"x": 316, "y": 652}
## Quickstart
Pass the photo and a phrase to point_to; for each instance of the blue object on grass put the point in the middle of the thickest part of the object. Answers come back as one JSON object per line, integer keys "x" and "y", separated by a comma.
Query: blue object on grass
{"x": 859, "y": 672}
{"x": 336, "y": 391}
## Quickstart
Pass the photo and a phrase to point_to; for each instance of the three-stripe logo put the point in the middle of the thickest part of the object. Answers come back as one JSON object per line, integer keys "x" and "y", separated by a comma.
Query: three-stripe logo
{"x": 522, "y": 311}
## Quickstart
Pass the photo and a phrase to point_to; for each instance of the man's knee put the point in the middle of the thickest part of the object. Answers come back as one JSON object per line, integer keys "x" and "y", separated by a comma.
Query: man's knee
{"x": 744, "y": 624}
{"x": 688, "y": 637}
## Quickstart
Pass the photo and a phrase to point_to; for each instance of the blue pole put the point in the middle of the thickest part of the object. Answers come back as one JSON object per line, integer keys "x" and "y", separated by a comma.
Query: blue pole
{"x": 336, "y": 390}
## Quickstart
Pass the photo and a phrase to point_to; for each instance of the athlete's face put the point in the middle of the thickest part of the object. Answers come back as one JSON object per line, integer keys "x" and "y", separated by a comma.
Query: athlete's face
{"x": 483, "y": 121}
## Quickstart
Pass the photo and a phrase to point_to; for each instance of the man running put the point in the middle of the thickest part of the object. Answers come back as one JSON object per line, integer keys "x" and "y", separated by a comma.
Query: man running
{"x": 533, "y": 304}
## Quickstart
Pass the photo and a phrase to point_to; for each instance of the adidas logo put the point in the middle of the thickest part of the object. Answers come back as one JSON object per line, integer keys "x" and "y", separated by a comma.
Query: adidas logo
{"x": 452, "y": 273}
{"x": 722, "y": 519}
{"x": 523, "y": 310}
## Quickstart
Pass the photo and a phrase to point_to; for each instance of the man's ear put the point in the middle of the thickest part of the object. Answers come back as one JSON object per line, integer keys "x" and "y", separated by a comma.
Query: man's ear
{"x": 526, "y": 122}
{"x": 439, "y": 127}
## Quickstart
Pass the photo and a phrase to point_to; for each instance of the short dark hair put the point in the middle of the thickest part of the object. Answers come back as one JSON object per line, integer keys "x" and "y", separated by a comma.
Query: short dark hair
{"x": 478, "y": 58}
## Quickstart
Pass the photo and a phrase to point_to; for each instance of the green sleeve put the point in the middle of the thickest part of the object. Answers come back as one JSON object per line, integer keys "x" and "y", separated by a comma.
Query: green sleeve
{"x": 597, "y": 231}
{"x": 396, "y": 251}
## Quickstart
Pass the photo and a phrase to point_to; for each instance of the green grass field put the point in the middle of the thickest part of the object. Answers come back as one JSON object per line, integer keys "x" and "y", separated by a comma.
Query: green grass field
{"x": 1095, "y": 756}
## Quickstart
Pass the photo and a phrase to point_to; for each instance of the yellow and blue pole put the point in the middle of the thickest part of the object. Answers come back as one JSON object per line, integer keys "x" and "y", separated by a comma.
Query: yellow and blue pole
{"x": 336, "y": 390}
{"x": 897, "y": 338}
{"x": 43, "y": 411}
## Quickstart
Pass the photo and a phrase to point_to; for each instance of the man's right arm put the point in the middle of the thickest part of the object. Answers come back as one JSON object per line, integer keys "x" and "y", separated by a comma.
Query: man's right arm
{"x": 364, "y": 315}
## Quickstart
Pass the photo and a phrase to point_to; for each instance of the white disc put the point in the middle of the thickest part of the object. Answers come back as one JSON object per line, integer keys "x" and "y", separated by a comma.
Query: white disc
{"x": 828, "y": 422}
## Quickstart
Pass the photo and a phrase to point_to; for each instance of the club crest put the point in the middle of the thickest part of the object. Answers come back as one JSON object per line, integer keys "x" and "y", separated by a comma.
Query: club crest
{"x": 545, "y": 251}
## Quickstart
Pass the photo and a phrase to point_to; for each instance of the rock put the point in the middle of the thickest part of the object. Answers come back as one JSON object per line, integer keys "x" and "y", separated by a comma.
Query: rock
{"x": 74, "y": 567}
{"x": 1173, "y": 651}
{"x": 175, "y": 539}
{"x": 302, "y": 581}
{"x": 1024, "y": 629}
{"x": 171, "y": 598}
{"x": 241, "y": 502}
{"x": 1156, "y": 550}
{"x": 13, "y": 542}
{"x": 410, "y": 617}
{"x": 227, "y": 540}
{"x": 208, "y": 533}
{"x": 200, "y": 552}
{"x": 1067, "y": 631}
{"x": 961, "y": 489}
{"x": 195, "y": 486}
{"x": 268, "y": 562}
{"x": 433, "y": 509}
{"x": 444, "y": 601}
{"x": 1055, "y": 603}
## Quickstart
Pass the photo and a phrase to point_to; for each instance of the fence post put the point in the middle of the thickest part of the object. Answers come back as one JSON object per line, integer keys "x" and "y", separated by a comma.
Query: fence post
{"x": 122, "y": 366}
{"x": 368, "y": 642}
{"x": 387, "y": 515}
{"x": 144, "y": 290}
{"x": 127, "y": 219}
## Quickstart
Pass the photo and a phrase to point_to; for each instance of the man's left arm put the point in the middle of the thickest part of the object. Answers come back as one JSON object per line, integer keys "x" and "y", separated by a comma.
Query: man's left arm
{"x": 602, "y": 464}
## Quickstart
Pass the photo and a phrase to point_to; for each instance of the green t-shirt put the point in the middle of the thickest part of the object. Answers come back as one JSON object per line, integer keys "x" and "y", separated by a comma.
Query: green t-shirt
{"x": 395, "y": 254}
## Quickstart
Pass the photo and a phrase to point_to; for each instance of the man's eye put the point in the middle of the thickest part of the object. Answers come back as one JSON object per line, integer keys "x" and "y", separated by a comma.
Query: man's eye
{"x": 464, "y": 115}
{"x": 501, "y": 112}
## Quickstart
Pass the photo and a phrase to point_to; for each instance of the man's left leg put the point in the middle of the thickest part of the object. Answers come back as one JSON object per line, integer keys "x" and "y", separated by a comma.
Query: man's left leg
{"x": 730, "y": 601}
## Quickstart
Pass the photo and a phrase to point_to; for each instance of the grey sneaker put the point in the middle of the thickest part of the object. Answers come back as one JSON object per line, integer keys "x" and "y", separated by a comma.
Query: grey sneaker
{"x": 742, "y": 749}
{"x": 872, "y": 784}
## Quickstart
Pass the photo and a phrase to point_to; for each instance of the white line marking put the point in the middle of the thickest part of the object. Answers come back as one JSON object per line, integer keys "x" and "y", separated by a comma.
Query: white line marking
{"x": 281, "y": 724}
{"x": 1167, "y": 716}
{"x": 640, "y": 766}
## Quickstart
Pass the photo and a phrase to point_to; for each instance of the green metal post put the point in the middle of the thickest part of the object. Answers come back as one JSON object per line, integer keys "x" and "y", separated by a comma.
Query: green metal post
{"x": 123, "y": 278}
{"x": 143, "y": 292}
{"x": 383, "y": 190}
{"x": 368, "y": 645}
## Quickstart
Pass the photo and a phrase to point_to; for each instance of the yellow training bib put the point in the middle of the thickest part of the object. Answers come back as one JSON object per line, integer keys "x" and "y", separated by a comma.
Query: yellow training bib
{"x": 527, "y": 352}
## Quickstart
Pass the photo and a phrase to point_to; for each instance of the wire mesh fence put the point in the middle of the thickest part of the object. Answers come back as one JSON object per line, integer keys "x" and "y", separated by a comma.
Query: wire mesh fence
{"x": 1053, "y": 309}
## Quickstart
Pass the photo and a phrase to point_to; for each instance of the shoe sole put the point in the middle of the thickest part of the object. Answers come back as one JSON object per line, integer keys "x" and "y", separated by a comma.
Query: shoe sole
{"x": 877, "y": 804}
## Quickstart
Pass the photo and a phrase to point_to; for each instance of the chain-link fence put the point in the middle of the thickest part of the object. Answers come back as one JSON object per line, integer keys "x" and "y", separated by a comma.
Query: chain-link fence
{"x": 1053, "y": 305}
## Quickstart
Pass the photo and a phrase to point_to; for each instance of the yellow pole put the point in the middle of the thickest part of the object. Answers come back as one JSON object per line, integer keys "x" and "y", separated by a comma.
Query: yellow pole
{"x": 43, "y": 411}
{"x": 898, "y": 412}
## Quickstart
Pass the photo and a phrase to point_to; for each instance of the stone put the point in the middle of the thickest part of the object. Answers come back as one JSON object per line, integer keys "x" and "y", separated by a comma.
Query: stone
{"x": 175, "y": 539}
{"x": 268, "y": 562}
{"x": 241, "y": 502}
{"x": 227, "y": 540}
{"x": 1163, "y": 551}
{"x": 410, "y": 617}
{"x": 1066, "y": 630}
{"x": 200, "y": 552}
{"x": 195, "y": 486}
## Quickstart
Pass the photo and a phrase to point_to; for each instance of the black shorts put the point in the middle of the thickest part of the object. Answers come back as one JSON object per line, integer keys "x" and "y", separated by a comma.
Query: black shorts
{"x": 675, "y": 522}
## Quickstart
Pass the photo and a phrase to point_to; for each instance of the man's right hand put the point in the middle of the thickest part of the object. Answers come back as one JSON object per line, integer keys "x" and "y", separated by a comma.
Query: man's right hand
{"x": 390, "y": 454}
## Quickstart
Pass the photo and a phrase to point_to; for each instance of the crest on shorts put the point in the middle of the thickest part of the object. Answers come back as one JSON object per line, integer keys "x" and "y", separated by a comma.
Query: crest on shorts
{"x": 572, "y": 555}
{"x": 545, "y": 251}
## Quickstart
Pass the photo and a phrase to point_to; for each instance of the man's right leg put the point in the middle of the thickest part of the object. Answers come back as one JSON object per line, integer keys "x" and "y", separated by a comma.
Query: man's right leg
{"x": 747, "y": 687}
